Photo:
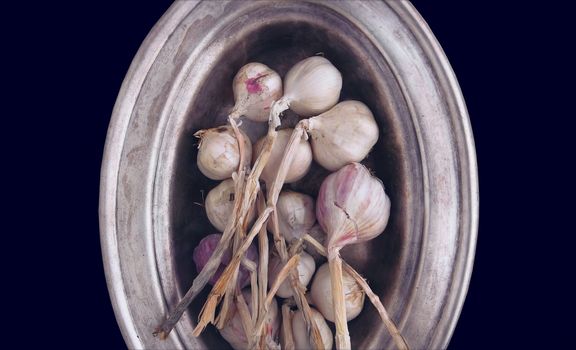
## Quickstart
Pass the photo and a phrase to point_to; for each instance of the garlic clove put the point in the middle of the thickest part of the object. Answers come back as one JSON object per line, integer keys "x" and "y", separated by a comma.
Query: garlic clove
{"x": 344, "y": 134}
{"x": 321, "y": 294}
{"x": 256, "y": 86}
{"x": 299, "y": 166}
{"x": 301, "y": 338}
{"x": 218, "y": 153}
{"x": 296, "y": 214}
{"x": 219, "y": 205}
{"x": 306, "y": 268}
{"x": 234, "y": 333}
{"x": 352, "y": 206}
{"x": 312, "y": 86}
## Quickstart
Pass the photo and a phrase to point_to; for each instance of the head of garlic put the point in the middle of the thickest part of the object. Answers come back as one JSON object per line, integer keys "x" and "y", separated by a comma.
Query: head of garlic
{"x": 300, "y": 164}
{"x": 218, "y": 152}
{"x": 343, "y": 134}
{"x": 256, "y": 86}
{"x": 321, "y": 294}
{"x": 205, "y": 249}
{"x": 312, "y": 86}
{"x": 234, "y": 333}
{"x": 219, "y": 205}
{"x": 296, "y": 214}
{"x": 300, "y": 333}
{"x": 306, "y": 268}
{"x": 351, "y": 206}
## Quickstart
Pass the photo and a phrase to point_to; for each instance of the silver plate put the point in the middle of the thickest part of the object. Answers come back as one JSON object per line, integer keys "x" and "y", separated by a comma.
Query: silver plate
{"x": 179, "y": 82}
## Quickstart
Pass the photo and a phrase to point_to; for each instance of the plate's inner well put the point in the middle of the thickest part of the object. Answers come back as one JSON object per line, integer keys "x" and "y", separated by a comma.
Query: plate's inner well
{"x": 383, "y": 261}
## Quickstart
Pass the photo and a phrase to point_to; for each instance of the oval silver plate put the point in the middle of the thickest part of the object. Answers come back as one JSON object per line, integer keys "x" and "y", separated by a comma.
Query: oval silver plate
{"x": 179, "y": 82}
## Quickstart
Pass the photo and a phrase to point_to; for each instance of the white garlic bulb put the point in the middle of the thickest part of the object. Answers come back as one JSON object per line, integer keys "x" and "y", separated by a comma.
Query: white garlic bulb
{"x": 306, "y": 268}
{"x": 296, "y": 214}
{"x": 321, "y": 294}
{"x": 351, "y": 206}
{"x": 343, "y": 134}
{"x": 219, "y": 205}
{"x": 218, "y": 153}
{"x": 300, "y": 164}
{"x": 301, "y": 338}
{"x": 255, "y": 87}
{"x": 312, "y": 86}
{"x": 234, "y": 333}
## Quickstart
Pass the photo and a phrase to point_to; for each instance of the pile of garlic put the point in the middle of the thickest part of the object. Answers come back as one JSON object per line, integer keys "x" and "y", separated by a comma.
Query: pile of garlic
{"x": 350, "y": 207}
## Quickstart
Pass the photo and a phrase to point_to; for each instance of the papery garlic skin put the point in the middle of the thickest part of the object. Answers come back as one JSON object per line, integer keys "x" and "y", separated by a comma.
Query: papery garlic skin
{"x": 218, "y": 153}
{"x": 306, "y": 267}
{"x": 234, "y": 333}
{"x": 296, "y": 214}
{"x": 312, "y": 86}
{"x": 351, "y": 206}
{"x": 256, "y": 86}
{"x": 346, "y": 133}
{"x": 219, "y": 205}
{"x": 321, "y": 294}
{"x": 300, "y": 164}
{"x": 301, "y": 338}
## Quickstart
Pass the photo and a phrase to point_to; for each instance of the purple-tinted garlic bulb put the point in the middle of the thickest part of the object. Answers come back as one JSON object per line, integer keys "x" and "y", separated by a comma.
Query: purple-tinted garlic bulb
{"x": 351, "y": 206}
{"x": 255, "y": 87}
{"x": 205, "y": 249}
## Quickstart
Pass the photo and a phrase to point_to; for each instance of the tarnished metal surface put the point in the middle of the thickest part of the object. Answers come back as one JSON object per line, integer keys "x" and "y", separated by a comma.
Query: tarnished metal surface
{"x": 180, "y": 81}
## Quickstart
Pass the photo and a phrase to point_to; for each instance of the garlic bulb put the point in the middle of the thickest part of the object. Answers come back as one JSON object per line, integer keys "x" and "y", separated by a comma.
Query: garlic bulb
{"x": 219, "y": 205}
{"x": 352, "y": 206}
{"x": 321, "y": 294}
{"x": 296, "y": 214}
{"x": 344, "y": 134}
{"x": 205, "y": 249}
{"x": 234, "y": 333}
{"x": 255, "y": 87}
{"x": 299, "y": 166}
{"x": 218, "y": 153}
{"x": 301, "y": 338}
{"x": 306, "y": 268}
{"x": 312, "y": 86}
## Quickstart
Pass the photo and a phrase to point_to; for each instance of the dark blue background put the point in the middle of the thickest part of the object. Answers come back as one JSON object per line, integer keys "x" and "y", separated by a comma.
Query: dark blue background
{"x": 63, "y": 73}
